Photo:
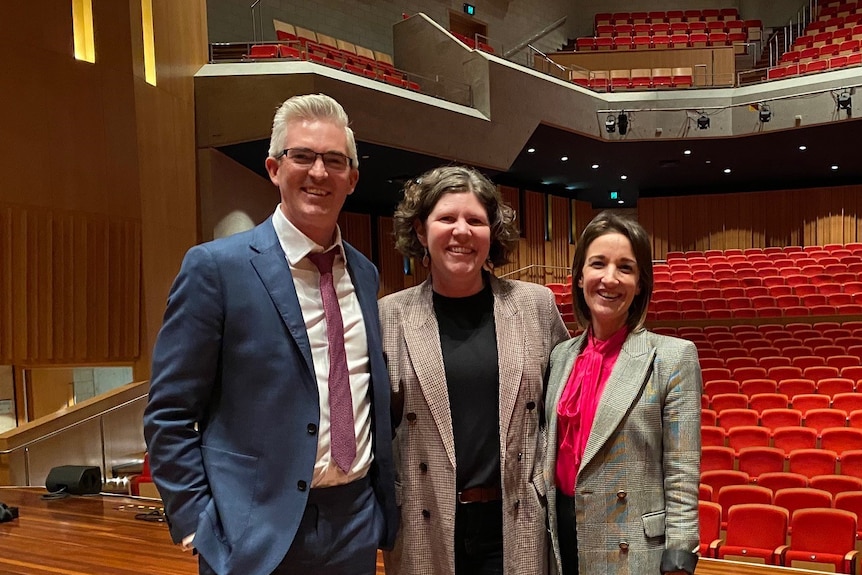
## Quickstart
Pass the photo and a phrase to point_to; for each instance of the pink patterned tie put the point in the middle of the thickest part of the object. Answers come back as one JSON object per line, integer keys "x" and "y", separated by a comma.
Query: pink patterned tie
{"x": 342, "y": 435}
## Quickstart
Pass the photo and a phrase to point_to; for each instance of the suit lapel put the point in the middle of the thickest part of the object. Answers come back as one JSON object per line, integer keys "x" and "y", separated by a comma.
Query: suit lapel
{"x": 422, "y": 335}
{"x": 628, "y": 377}
{"x": 510, "y": 351}
{"x": 271, "y": 266}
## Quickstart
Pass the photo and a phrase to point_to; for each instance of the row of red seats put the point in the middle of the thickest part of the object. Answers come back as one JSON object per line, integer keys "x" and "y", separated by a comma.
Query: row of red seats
{"x": 841, "y": 10}
{"x": 749, "y": 313}
{"x": 636, "y": 79}
{"x": 836, "y": 407}
{"x": 818, "y": 39}
{"x": 826, "y": 51}
{"x": 821, "y": 326}
{"x": 773, "y": 251}
{"x": 664, "y": 29}
{"x": 473, "y": 44}
{"x": 760, "y": 302}
{"x": 699, "y": 40}
{"x": 774, "y": 418}
{"x": 334, "y": 58}
{"x": 667, "y": 16}
{"x": 759, "y": 262}
{"x": 761, "y": 532}
{"x": 728, "y": 441}
{"x": 791, "y": 70}
{"x": 785, "y": 291}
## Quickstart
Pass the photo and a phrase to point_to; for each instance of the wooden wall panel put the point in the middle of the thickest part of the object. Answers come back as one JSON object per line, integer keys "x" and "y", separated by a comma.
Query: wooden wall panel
{"x": 559, "y": 261}
{"x": 759, "y": 219}
{"x": 534, "y": 233}
{"x": 71, "y": 288}
{"x": 356, "y": 230}
{"x": 511, "y": 196}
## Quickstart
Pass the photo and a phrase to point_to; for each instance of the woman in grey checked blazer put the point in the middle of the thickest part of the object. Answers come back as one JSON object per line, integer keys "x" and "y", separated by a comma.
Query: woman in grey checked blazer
{"x": 623, "y": 416}
{"x": 467, "y": 356}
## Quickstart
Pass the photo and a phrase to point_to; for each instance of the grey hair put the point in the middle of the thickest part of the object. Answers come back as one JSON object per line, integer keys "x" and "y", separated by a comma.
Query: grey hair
{"x": 310, "y": 107}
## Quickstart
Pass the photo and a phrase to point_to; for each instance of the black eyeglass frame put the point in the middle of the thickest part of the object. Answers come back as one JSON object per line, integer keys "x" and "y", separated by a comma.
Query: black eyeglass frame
{"x": 322, "y": 156}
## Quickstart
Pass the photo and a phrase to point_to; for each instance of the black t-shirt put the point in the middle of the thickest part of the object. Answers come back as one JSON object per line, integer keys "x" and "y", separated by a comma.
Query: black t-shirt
{"x": 468, "y": 340}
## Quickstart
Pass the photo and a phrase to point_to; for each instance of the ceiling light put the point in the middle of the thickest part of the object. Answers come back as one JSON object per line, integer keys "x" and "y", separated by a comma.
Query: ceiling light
{"x": 726, "y": 170}
{"x": 844, "y": 101}
{"x": 531, "y": 150}
{"x": 765, "y": 113}
{"x": 611, "y": 124}
{"x": 708, "y": 162}
{"x": 703, "y": 122}
{"x": 687, "y": 152}
{"x": 621, "y": 201}
{"x": 803, "y": 148}
{"x": 595, "y": 166}
{"x": 623, "y": 123}
{"x": 564, "y": 159}
{"x": 624, "y": 177}
{"x": 834, "y": 166}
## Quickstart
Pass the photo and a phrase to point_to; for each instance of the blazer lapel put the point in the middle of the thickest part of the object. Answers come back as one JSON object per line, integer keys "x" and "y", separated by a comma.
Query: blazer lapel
{"x": 271, "y": 266}
{"x": 422, "y": 335}
{"x": 510, "y": 351}
{"x": 629, "y": 375}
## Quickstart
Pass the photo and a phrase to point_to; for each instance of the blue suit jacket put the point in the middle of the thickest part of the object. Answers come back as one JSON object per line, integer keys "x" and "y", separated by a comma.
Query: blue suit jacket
{"x": 233, "y": 397}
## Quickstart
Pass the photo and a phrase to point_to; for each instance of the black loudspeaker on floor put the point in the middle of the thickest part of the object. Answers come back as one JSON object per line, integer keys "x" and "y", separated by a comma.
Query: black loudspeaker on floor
{"x": 74, "y": 480}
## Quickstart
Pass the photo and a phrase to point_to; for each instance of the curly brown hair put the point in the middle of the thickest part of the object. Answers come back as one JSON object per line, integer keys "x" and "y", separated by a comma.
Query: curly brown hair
{"x": 422, "y": 194}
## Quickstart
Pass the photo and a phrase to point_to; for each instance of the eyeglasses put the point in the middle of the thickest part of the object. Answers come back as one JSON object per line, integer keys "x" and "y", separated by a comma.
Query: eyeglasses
{"x": 305, "y": 158}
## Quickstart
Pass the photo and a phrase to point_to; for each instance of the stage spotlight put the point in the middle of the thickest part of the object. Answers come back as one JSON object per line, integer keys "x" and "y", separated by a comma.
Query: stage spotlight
{"x": 844, "y": 101}
{"x": 703, "y": 122}
{"x": 623, "y": 123}
{"x": 765, "y": 113}
{"x": 611, "y": 124}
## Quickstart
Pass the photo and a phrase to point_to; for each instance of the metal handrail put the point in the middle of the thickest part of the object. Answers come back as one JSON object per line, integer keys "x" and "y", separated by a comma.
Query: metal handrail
{"x": 256, "y": 24}
{"x": 531, "y": 266}
{"x": 72, "y": 425}
{"x": 540, "y": 34}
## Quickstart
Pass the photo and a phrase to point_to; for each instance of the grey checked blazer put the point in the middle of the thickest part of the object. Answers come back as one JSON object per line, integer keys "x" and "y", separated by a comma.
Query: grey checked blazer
{"x": 528, "y": 327}
{"x": 636, "y": 494}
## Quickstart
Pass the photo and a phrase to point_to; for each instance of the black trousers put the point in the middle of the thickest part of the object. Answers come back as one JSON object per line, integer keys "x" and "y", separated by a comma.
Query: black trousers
{"x": 567, "y": 533}
{"x": 479, "y": 538}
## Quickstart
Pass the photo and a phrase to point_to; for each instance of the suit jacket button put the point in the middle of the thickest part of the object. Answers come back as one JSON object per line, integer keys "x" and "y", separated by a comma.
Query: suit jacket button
{"x": 423, "y": 467}
{"x": 301, "y": 485}
{"x": 621, "y": 494}
{"x": 426, "y": 514}
{"x": 312, "y": 429}
{"x": 411, "y": 417}
{"x": 531, "y": 406}
{"x": 624, "y": 545}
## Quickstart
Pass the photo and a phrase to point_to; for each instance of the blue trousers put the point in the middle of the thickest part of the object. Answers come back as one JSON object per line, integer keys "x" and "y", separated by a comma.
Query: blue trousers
{"x": 339, "y": 533}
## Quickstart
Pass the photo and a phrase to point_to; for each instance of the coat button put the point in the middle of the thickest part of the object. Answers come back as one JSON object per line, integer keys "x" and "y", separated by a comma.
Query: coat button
{"x": 426, "y": 514}
{"x": 517, "y": 504}
{"x": 531, "y": 406}
{"x": 621, "y": 494}
{"x": 423, "y": 467}
{"x": 411, "y": 417}
{"x": 312, "y": 429}
{"x": 520, "y": 456}
{"x": 624, "y": 545}
{"x": 301, "y": 485}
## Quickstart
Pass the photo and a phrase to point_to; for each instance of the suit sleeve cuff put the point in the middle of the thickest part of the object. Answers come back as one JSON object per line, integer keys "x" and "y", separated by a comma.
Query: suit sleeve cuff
{"x": 678, "y": 560}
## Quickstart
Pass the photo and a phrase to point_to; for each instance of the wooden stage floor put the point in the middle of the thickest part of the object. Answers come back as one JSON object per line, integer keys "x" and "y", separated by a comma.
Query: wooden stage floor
{"x": 88, "y": 535}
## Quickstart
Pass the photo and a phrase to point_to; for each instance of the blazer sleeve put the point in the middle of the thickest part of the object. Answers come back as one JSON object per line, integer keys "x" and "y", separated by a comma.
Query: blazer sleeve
{"x": 185, "y": 370}
{"x": 681, "y": 460}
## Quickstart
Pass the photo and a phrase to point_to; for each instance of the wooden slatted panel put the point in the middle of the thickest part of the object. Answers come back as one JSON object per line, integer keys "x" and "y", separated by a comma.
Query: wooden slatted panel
{"x": 511, "y": 196}
{"x": 70, "y": 288}
{"x": 558, "y": 252}
{"x": 356, "y": 230}
{"x": 391, "y": 262}
{"x": 534, "y": 233}
{"x": 6, "y": 271}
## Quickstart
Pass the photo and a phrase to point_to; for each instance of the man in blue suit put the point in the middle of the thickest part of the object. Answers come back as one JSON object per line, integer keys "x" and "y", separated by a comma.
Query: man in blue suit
{"x": 247, "y": 440}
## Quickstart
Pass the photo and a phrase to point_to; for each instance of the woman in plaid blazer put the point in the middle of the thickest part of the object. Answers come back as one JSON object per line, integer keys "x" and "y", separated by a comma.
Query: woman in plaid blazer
{"x": 623, "y": 416}
{"x": 467, "y": 355}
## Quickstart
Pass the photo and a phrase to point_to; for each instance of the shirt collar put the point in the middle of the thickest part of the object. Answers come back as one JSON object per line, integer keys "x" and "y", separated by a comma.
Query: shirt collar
{"x": 297, "y": 245}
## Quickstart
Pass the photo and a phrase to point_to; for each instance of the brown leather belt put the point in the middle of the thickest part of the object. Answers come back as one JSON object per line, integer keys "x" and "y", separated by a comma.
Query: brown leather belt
{"x": 480, "y": 495}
